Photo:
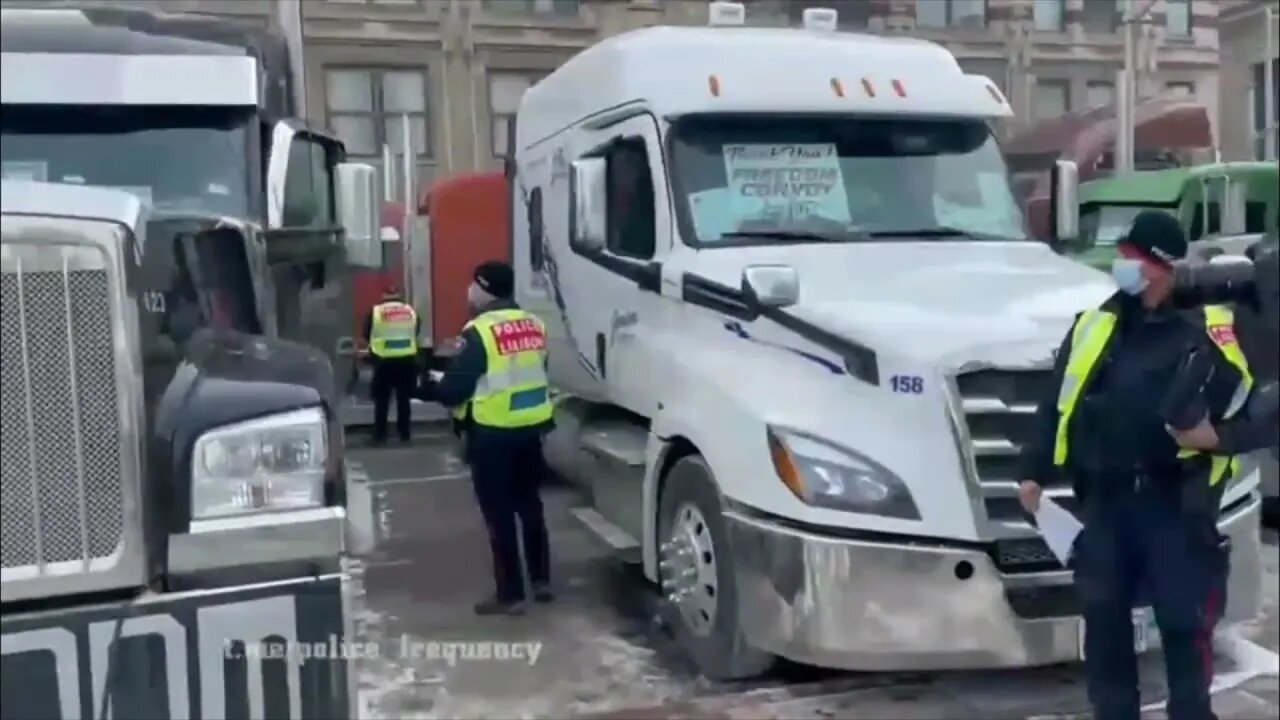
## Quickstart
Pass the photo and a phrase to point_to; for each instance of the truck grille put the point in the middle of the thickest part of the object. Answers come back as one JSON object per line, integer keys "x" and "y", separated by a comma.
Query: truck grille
{"x": 999, "y": 408}
{"x": 61, "y": 458}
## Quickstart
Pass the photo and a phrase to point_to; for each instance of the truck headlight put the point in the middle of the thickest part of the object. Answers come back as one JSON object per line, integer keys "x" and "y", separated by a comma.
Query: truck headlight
{"x": 823, "y": 474}
{"x": 267, "y": 464}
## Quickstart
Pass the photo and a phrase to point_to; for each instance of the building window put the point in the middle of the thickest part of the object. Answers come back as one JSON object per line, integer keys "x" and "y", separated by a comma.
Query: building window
{"x": 1180, "y": 89}
{"x": 951, "y": 13}
{"x": 366, "y": 108}
{"x": 1050, "y": 15}
{"x": 1101, "y": 16}
{"x": 505, "y": 90}
{"x": 1100, "y": 94}
{"x": 850, "y": 14}
{"x": 1051, "y": 99}
{"x": 1177, "y": 18}
{"x": 552, "y": 8}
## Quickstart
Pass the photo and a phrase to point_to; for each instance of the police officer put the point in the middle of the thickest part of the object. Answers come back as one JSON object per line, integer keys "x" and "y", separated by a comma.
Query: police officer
{"x": 391, "y": 334}
{"x": 1149, "y": 508}
{"x": 497, "y": 387}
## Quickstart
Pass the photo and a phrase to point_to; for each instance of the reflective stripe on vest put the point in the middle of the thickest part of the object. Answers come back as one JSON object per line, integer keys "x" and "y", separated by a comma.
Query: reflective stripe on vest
{"x": 513, "y": 392}
{"x": 1089, "y": 338}
{"x": 393, "y": 333}
{"x": 1220, "y": 324}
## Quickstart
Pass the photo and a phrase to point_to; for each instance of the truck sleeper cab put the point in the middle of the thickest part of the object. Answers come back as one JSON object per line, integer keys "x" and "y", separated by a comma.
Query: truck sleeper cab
{"x": 173, "y": 467}
{"x": 800, "y": 332}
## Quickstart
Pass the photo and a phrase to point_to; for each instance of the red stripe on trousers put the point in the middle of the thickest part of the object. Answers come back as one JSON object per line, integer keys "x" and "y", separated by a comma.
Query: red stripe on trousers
{"x": 1204, "y": 639}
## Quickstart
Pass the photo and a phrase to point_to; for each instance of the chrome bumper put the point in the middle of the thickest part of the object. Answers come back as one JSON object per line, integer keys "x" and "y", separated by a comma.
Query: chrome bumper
{"x": 317, "y": 534}
{"x": 862, "y": 605}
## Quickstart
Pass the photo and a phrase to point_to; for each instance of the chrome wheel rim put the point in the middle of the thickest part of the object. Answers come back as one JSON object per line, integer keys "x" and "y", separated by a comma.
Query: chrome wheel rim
{"x": 688, "y": 570}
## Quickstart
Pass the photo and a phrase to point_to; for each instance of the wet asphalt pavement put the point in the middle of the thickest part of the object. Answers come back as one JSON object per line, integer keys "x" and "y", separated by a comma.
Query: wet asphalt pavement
{"x": 597, "y": 651}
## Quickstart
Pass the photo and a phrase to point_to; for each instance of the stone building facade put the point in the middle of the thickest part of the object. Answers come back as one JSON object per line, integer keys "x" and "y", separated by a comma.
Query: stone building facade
{"x": 457, "y": 67}
{"x": 1242, "y": 114}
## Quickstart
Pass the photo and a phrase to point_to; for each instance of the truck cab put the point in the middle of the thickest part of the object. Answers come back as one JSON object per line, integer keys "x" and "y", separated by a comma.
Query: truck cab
{"x": 1213, "y": 203}
{"x": 800, "y": 332}
{"x": 175, "y": 295}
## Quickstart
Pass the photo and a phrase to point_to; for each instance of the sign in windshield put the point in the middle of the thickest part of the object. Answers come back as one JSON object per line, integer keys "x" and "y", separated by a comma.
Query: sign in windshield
{"x": 849, "y": 178}
{"x": 781, "y": 184}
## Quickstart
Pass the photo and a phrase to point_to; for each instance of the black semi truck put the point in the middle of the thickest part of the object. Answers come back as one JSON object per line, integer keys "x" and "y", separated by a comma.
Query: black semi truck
{"x": 175, "y": 297}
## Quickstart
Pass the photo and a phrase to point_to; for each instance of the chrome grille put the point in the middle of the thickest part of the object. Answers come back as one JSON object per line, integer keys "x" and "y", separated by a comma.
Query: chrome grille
{"x": 999, "y": 408}
{"x": 61, "y": 459}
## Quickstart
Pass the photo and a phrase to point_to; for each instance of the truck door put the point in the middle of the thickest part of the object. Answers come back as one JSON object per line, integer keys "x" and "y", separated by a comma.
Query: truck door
{"x": 309, "y": 269}
{"x": 622, "y": 282}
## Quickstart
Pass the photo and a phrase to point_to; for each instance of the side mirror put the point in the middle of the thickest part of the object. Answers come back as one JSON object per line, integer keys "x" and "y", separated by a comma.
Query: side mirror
{"x": 1064, "y": 187}
{"x": 771, "y": 286}
{"x": 590, "y": 215}
{"x": 356, "y": 186}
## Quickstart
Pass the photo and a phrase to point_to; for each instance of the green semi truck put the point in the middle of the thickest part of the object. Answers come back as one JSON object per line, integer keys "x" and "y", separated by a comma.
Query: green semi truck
{"x": 1213, "y": 202}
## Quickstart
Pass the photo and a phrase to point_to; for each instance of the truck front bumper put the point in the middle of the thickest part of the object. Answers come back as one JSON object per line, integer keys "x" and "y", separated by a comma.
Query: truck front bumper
{"x": 871, "y": 605}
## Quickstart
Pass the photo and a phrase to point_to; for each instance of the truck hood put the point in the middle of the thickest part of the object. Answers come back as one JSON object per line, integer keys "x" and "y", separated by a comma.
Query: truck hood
{"x": 954, "y": 305}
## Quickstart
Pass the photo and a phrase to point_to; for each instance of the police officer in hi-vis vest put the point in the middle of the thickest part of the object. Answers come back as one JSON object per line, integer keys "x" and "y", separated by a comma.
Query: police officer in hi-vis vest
{"x": 497, "y": 388}
{"x": 1149, "y": 507}
{"x": 391, "y": 334}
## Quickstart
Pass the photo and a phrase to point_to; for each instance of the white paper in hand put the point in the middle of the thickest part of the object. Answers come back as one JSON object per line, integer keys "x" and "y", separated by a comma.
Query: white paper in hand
{"x": 1058, "y": 527}
{"x": 435, "y": 375}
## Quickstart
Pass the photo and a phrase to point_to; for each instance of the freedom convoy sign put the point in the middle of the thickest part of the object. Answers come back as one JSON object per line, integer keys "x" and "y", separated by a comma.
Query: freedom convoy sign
{"x": 180, "y": 657}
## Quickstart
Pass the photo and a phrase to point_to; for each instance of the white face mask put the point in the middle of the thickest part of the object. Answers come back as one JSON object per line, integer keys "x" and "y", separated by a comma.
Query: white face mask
{"x": 1128, "y": 275}
{"x": 477, "y": 298}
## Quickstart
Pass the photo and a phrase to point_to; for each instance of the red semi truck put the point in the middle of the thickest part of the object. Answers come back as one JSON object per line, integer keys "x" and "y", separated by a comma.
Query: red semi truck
{"x": 458, "y": 223}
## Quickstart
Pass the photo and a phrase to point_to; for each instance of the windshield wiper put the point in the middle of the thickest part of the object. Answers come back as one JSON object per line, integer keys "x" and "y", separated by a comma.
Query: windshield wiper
{"x": 942, "y": 231}
{"x": 798, "y": 236}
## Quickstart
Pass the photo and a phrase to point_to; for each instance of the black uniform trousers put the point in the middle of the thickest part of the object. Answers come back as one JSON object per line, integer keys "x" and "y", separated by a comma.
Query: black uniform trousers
{"x": 398, "y": 377}
{"x": 1140, "y": 542}
{"x": 507, "y": 470}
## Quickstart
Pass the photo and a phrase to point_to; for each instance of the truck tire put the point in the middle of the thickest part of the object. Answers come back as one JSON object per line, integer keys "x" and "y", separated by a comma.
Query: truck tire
{"x": 701, "y": 604}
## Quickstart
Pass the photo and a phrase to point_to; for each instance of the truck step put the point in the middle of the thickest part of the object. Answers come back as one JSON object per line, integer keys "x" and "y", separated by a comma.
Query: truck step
{"x": 627, "y": 547}
{"x": 621, "y": 443}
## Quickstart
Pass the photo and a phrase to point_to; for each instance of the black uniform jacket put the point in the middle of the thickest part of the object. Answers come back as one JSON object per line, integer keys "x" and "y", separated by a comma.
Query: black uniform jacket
{"x": 1117, "y": 428}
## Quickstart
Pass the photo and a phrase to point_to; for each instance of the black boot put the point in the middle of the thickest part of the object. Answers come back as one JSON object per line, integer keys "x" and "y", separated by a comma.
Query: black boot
{"x": 494, "y": 606}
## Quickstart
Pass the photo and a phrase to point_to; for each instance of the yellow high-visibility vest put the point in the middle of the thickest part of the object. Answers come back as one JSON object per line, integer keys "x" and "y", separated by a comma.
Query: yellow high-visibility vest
{"x": 394, "y": 332}
{"x": 1089, "y": 338}
{"x": 513, "y": 393}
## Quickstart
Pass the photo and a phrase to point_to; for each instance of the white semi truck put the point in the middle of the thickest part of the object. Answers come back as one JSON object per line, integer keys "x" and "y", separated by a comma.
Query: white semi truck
{"x": 800, "y": 333}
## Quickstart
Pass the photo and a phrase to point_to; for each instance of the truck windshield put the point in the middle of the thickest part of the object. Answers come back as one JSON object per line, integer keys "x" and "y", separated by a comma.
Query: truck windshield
{"x": 1106, "y": 224}
{"x": 739, "y": 178}
{"x": 176, "y": 158}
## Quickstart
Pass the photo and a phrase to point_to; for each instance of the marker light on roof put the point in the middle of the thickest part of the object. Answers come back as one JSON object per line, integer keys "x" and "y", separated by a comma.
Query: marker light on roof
{"x": 726, "y": 13}
{"x": 820, "y": 18}
{"x": 713, "y": 84}
{"x": 837, "y": 87}
{"x": 995, "y": 95}
{"x": 867, "y": 88}
{"x": 898, "y": 88}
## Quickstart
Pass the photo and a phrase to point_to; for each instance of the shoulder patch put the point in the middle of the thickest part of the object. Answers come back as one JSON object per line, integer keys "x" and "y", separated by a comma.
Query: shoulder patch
{"x": 1223, "y": 335}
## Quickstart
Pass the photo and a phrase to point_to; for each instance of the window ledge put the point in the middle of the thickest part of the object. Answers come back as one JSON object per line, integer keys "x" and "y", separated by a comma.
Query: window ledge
{"x": 533, "y": 22}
